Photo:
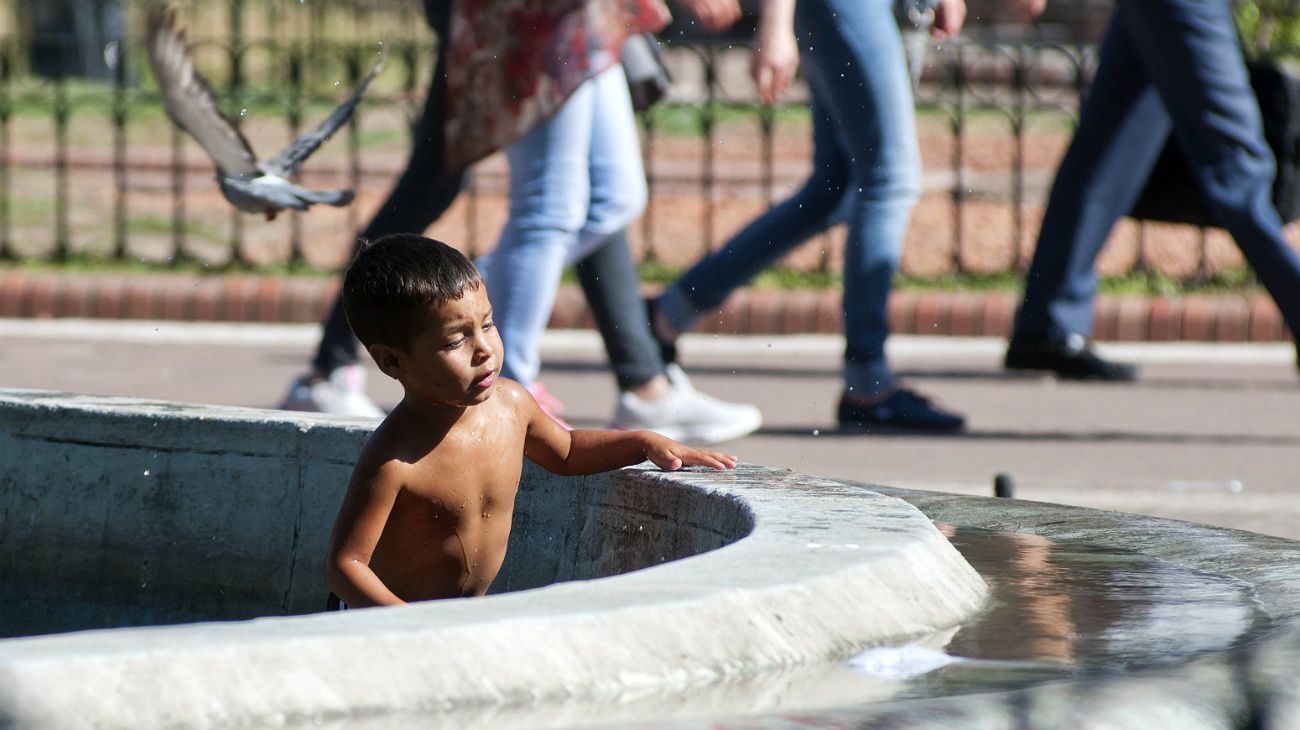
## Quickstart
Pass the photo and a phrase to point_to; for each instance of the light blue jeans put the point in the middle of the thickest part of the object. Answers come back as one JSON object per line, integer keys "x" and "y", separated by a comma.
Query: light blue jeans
{"x": 575, "y": 179}
{"x": 866, "y": 171}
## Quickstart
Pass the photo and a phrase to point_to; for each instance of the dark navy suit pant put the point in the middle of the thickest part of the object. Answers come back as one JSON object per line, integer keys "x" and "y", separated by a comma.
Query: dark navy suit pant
{"x": 1166, "y": 67}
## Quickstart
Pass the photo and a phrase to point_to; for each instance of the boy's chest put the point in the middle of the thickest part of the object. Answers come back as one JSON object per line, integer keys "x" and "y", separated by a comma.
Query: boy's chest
{"x": 473, "y": 472}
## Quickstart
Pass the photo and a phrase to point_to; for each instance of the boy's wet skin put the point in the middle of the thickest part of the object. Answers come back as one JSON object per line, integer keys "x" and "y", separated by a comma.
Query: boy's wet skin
{"x": 446, "y": 532}
{"x": 429, "y": 509}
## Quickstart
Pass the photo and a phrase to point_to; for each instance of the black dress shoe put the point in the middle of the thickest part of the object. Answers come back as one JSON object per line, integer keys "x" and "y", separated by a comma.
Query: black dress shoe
{"x": 1069, "y": 357}
{"x": 903, "y": 410}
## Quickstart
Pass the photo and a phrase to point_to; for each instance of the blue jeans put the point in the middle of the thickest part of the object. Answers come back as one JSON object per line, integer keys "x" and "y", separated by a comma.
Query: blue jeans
{"x": 1166, "y": 66}
{"x": 575, "y": 180}
{"x": 866, "y": 171}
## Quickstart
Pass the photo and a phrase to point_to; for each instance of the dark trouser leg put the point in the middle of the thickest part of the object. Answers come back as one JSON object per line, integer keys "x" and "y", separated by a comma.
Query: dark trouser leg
{"x": 422, "y": 194}
{"x": 609, "y": 280}
{"x": 1192, "y": 55}
{"x": 1122, "y": 129}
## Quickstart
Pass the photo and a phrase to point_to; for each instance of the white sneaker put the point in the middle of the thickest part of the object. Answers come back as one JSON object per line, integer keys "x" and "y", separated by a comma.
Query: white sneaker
{"x": 686, "y": 414}
{"x": 343, "y": 394}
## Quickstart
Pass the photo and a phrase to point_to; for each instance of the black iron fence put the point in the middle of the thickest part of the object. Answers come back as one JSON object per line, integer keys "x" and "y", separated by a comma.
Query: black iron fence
{"x": 93, "y": 169}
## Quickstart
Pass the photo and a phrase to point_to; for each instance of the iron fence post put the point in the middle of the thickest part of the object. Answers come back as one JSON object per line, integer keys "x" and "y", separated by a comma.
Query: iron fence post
{"x": 648, "y": 161}
{"x": 61, "y": 113}
{"x": 708, "y": 117}
{"x": 6, "y": 109}
{"x": 119, "y": 151}
{"x": 296, "y": 57}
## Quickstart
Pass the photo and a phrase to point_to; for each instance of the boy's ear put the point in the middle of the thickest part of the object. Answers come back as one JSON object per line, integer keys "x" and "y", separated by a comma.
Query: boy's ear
{"x": 387, "y": 359}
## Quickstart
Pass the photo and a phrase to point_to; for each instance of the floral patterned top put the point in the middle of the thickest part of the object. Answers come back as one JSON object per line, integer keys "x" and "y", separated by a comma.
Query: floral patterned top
{"x": 512, "y": 63}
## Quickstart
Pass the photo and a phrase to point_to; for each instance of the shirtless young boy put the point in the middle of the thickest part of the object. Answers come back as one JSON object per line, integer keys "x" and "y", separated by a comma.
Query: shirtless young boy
{"x": 429, "y": 507}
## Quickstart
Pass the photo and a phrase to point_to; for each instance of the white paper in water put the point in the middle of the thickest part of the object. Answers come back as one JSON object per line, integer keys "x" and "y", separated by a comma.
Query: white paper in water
{"x": 900, "y": 662}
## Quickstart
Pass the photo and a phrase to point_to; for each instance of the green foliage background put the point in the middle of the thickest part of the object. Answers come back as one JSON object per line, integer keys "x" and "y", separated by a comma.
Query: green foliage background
{"x": 1269, "y": 28}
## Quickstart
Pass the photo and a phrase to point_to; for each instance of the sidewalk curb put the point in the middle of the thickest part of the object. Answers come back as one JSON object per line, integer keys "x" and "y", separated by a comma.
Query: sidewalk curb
{"x": 248, "y": 298}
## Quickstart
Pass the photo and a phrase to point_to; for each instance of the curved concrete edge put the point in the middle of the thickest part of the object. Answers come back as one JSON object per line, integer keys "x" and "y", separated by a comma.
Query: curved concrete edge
{"x": 827, "y": 570}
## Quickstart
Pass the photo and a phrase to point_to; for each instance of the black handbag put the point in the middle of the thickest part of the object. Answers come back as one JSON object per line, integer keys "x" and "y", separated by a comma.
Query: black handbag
{"x": 1172, "y": 194}
{"x": 647, "y": 76}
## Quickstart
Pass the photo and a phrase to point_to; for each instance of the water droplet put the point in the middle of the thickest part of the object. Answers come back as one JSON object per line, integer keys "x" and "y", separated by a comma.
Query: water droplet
{"x": 146, "y": 472}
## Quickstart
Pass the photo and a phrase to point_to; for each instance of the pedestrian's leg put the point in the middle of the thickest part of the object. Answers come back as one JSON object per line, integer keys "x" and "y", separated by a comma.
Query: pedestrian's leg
{"x": 336, "y": 383}
{"x": 654, "y": 396}
{"x": 1122, "y": 130}
{"x": 422, "y": 194}
{"x": 765, "y": 241}
{"x": 609, "y": 280}
{"x": 549, "y": 194}
{"x": 617, "y": 178}
{"x": 605, "y": 267}
{"x": 1192, "y": 55}
{"x": 854, "y": 63}
{"x": 856, "y": 69}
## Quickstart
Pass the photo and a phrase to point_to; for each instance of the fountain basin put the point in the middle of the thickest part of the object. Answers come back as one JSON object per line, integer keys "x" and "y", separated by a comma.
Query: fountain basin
{"x": 119, "y": 512}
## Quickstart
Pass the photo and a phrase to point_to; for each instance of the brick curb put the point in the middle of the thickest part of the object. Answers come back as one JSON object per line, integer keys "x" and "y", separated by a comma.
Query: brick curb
{"x": 247, "y": 298}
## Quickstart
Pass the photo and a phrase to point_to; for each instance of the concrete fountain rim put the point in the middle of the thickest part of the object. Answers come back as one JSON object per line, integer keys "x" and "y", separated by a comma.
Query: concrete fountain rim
{"x": 804, "y": 585}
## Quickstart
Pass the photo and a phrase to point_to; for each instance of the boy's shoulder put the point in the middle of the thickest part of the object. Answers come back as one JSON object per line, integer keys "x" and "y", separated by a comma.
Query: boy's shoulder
{"x": 395, "y": 433}
{"x": 514, "y": 393}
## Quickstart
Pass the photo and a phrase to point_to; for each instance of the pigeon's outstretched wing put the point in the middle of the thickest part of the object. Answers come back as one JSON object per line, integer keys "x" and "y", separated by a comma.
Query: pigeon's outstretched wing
{"x": 189, "y": 100}
{"x": 284, "y": 163}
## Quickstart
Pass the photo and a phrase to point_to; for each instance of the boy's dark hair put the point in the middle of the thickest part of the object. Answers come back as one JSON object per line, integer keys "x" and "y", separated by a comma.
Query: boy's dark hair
{"x": 393, "y": 280}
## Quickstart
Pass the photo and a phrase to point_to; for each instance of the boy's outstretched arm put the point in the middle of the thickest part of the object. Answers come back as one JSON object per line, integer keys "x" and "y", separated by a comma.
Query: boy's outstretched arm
{"x": 360, "y": 522}
{"x": 589, "y": 451}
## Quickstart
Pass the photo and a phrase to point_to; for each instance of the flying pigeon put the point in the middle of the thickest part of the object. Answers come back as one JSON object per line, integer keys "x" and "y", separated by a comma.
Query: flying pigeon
{"x": 249, "y": 185}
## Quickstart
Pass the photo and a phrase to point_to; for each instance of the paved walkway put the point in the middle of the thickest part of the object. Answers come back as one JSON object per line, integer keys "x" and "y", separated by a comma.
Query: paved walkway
{"x": 1211, "y": 433}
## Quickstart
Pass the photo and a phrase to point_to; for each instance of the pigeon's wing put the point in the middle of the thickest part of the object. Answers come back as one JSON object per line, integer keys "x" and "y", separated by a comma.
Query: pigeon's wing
{"x": 189, "y": 100}
{"x": 284, "y": 163}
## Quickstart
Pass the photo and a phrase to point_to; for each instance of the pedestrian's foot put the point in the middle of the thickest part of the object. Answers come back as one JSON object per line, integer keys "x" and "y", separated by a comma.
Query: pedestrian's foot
{"x": 549, "y": 404}
{"x": 1069, "y": 357}
{"x": 900, "y": 409}
{"x": 342, "y": 393}
{"x": 685, "y": 414}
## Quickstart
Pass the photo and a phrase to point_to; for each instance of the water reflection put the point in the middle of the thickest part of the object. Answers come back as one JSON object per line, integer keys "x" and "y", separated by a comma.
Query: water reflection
{"x": 1062, "y": 608}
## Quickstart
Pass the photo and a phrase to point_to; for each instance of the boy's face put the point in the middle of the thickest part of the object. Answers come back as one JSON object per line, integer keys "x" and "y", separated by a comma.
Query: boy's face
{"x": 455, "y": 358}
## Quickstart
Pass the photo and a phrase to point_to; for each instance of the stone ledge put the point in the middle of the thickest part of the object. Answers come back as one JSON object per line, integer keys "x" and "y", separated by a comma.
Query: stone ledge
{"x": 752, "y": 311}
{"x": 776, "y": 570}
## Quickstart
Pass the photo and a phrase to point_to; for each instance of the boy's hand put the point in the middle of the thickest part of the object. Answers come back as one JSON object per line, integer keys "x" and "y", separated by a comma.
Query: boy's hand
{"x": 671, "y": 456}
